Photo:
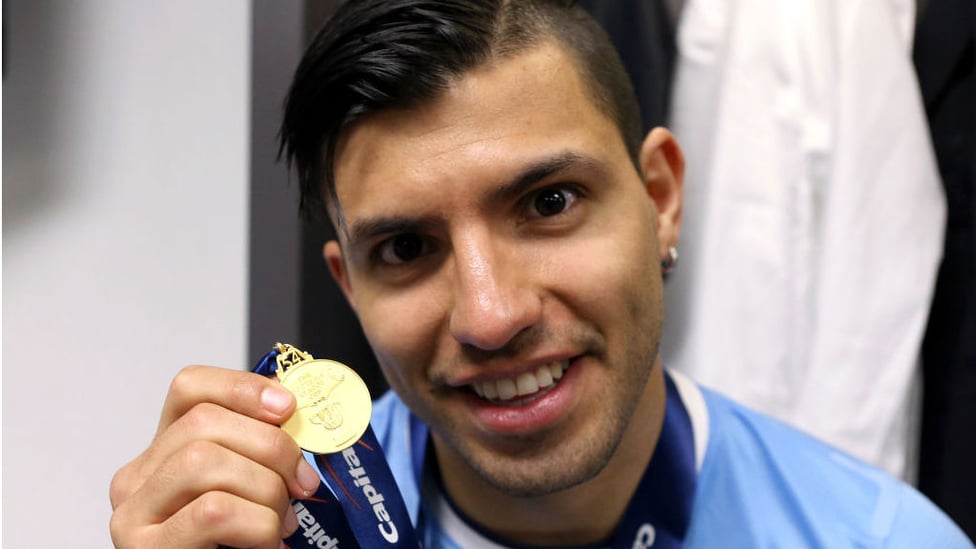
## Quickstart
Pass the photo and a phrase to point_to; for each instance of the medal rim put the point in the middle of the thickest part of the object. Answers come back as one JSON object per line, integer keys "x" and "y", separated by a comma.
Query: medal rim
{"x": 367, "y": 407}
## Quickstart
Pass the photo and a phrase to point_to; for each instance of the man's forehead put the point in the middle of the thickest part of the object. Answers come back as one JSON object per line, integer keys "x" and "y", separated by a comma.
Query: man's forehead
{"x": 498, "y": 116}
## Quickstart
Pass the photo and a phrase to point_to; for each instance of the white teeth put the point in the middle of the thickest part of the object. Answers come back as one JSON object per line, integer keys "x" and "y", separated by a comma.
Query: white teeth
{"x": 544, "y": 376}
{"x": 490, "y": 390}
{"x": 507, "y": 389}
{"x": 523, "y": 385}
{"x": 526, "y": 384}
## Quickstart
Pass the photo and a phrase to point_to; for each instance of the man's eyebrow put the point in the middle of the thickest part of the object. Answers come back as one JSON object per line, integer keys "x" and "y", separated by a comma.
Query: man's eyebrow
{"x": 371, "y": 228}
{"x": 535, "y": 172}
{"x": 368, "y": 229}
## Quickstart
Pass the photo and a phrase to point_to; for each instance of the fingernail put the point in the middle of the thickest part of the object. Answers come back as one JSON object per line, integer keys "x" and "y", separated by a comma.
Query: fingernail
{"x": 291, "y": 522}
{"x": 308, "y": 479}
{"x": 276, "y": 399}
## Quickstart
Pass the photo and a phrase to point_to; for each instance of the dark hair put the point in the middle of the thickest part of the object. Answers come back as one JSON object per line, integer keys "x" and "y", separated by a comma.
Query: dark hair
{"x": 381, "y": 54}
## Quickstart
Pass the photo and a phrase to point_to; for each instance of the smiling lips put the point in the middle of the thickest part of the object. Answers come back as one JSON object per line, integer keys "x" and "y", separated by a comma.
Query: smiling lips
{"x": 527, "y": 384}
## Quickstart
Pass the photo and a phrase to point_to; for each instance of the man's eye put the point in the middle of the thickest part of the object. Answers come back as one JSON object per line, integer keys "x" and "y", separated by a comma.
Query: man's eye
{"x": 401, "y": 249}
{"x": 553, "y": 201}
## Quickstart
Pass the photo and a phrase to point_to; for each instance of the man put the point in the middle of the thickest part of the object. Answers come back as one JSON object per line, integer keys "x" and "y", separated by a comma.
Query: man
{"x": 502, "y": 230}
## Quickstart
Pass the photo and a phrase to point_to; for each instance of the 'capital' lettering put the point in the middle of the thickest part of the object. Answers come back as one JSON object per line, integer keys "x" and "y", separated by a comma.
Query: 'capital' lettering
{"x": 390, "y": 533}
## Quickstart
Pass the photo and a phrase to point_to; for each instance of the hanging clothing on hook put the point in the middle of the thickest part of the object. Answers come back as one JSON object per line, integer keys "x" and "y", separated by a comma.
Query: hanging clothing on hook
{"x": 814, "y": 218}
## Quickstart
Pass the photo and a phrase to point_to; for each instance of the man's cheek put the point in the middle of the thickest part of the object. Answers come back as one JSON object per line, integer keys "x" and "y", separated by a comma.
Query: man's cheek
{"x": 398, "y": 330}
{"x": 607, "y": 268}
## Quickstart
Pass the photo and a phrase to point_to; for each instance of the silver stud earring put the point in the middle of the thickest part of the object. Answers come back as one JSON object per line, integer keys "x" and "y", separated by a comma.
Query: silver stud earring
{"x": 668, "y": 263}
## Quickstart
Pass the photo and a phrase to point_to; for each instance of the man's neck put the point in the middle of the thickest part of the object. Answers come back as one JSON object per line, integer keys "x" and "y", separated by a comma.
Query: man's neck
{"x": 582, "y": 514}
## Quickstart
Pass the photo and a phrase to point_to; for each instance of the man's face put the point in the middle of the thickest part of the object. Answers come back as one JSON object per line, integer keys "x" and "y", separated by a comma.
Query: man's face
{"x": 502, "y": 255}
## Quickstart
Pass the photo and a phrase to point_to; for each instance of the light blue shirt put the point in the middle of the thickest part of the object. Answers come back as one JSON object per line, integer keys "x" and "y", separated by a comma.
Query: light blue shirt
{"x": 760, "y": 484}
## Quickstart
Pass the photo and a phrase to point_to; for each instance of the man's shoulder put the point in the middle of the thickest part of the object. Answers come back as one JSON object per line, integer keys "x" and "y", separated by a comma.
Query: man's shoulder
{"x": 386, "y": 408}
{"x": 391, "y": 424}
{"x": 763, "y": 479}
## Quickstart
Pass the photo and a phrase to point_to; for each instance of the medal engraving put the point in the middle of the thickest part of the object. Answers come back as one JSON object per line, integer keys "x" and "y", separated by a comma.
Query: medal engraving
{"x": 334, "y": 405}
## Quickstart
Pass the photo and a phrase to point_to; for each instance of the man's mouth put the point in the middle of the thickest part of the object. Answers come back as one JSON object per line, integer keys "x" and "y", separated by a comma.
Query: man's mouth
{"x": 522, "y": 386}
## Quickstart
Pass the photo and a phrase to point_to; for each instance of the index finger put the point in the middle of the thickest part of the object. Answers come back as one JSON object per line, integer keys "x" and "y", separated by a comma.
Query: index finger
{"x": 246, "y": 393}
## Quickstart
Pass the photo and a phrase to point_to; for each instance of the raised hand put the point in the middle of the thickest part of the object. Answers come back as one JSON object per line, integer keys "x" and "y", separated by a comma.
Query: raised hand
{"x": 218, "y": 472}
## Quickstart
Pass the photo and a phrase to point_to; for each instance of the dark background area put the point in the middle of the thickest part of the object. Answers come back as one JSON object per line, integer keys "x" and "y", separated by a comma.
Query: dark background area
{"x": 292, "y": 295}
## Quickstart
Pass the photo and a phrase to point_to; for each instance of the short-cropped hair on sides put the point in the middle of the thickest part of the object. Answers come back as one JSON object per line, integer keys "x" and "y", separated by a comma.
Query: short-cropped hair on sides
{"x": 374, "y": 55}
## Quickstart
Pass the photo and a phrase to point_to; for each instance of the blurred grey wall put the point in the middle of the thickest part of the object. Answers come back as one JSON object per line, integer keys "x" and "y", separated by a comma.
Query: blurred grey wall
{"x": 125, "y": 213}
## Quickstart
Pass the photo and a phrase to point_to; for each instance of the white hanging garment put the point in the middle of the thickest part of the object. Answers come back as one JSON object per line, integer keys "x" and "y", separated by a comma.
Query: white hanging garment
{"x": 814, "y": 215}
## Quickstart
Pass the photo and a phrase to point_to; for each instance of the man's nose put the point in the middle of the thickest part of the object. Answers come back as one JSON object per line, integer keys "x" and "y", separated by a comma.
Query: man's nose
{"x": 494, "y": 299}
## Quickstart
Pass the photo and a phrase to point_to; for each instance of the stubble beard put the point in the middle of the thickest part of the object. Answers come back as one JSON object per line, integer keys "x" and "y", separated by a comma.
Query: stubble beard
{"x": 542, "y": 465}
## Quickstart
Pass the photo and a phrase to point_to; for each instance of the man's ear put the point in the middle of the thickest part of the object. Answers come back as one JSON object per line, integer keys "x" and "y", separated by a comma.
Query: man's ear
{"x": 664, "y": 170}
{"x": 337, "y": 266}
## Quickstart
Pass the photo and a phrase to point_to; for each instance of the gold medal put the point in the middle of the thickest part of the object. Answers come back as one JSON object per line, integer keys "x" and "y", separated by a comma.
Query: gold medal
{"x": 334, "y": 405}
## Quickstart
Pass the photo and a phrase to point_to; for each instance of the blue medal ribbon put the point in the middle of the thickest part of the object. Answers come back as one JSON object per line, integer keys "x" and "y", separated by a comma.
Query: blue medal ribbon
{"x": 357, "y": 504}
{"x": 321, "y": 523}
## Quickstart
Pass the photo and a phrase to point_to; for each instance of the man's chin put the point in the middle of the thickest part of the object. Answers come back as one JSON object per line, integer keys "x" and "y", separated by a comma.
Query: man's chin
{"x": 544, "y": 472}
